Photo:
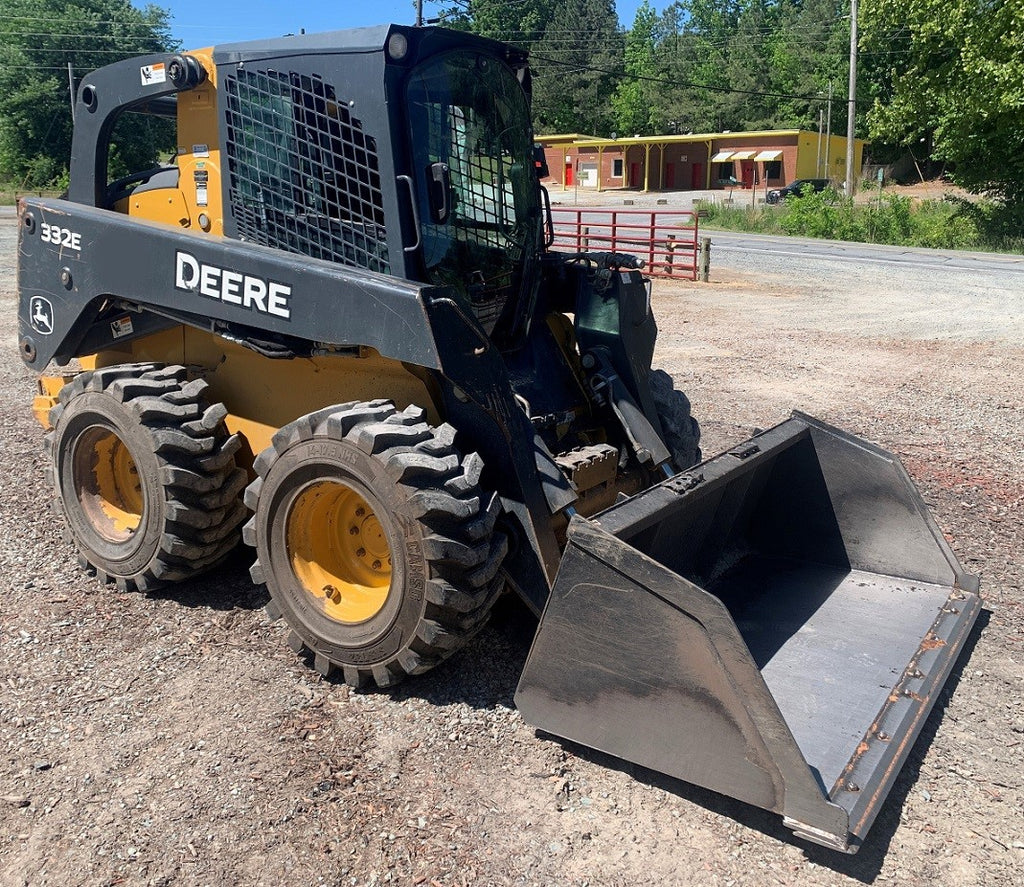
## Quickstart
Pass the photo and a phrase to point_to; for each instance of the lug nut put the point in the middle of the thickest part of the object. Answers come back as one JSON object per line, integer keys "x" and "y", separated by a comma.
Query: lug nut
{"x": 361, "y": 552}
{"x": 353, "y": 531}
{"x": 360, "y": 511}
{"x": 376, "y": 565}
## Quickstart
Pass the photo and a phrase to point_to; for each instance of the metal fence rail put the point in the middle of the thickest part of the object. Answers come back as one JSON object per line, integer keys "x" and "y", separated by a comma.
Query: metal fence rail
{"x": 665, "y": 240}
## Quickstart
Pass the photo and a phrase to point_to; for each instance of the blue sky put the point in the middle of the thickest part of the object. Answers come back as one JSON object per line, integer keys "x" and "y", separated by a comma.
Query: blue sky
{"x": 197, "y": 23}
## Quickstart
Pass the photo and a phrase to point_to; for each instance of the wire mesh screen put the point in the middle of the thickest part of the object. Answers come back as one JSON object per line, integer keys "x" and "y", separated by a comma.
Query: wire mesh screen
{"x": 303, "y": 176}
{"x": 484, "y": 209}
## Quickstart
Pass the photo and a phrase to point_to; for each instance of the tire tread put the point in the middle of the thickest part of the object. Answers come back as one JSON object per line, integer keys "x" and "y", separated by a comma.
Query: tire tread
{"x": 462, "y": 548}
{"x": 203, "y": 511}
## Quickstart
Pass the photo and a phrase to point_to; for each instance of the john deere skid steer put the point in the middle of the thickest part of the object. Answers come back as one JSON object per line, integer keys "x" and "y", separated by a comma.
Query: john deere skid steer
{"x": 332, "y": 327}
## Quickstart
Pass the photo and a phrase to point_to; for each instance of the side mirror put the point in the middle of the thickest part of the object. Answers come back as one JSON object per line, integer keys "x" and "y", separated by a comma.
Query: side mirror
{"x": 439, "y": 188}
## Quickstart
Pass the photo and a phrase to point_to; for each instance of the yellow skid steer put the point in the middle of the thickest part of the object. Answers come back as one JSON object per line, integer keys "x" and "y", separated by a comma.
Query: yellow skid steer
{"x": 333, "y": 326}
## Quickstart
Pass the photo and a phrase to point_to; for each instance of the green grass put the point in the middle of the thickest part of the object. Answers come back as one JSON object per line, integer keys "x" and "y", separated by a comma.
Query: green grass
{"x": 891, "y": 219}
{"x": 9, "y": 196}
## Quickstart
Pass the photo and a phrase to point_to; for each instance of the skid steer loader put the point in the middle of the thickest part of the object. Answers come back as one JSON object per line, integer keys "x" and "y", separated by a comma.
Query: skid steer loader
{"x": 332, "y": 326}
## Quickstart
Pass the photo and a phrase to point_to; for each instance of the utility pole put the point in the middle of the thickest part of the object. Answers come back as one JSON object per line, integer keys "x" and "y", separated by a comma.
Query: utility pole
{"x": 419, "y": 13}
{"x": 851, "y": 111}
{"x": 821, "y": 126}
{"x": 828, "y": 134}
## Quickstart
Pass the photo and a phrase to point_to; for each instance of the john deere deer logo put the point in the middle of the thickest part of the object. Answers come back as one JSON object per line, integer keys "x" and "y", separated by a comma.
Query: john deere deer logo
{"x": 40, "y": 313}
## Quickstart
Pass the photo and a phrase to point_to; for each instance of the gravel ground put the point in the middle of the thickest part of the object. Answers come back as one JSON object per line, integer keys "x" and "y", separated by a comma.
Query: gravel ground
{"x": 174, "y": 739}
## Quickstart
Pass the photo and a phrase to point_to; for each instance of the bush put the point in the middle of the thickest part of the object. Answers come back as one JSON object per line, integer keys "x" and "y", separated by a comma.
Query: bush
{"x": 893, "y": 219}
{"x": 736, "y": 218}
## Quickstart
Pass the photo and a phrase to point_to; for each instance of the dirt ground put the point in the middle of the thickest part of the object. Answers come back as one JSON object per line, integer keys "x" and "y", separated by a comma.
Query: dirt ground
{"x": 174, "y": 739}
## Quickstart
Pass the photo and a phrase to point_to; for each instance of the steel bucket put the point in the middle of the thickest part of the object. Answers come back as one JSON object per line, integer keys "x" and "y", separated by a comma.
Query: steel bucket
{"x": 774, "y": 624}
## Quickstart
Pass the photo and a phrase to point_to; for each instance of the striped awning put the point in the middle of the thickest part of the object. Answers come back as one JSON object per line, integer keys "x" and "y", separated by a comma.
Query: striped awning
{"x": 722, "y": 156}
{"x": 768, "y": 155}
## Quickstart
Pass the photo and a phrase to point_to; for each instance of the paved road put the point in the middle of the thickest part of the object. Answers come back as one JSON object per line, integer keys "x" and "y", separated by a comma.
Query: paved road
{"x": 730, "y": 243}
{"x": 895, "y": 291}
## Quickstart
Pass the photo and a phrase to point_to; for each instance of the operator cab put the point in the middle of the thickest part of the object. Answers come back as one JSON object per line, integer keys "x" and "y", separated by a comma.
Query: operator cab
{"x": 479, "y": 204}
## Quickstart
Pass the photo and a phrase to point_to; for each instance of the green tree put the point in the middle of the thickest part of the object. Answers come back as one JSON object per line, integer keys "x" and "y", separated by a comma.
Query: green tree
{"x": 577, "y": 64}
{"x": 810, "y": 48}
{"x": 950, "y": 76}
{"x": 521, "y": 23}
{"x": 632, "y": 101}
{"x": 746, "y": 64}
{"x": 37, "y": 41}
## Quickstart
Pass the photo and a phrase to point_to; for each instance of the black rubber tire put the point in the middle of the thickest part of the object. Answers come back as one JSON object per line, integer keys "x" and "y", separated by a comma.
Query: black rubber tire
{"x": 439, "y": 525}
{"x": 191, "y": 513}
{"x": 682, "y": 433}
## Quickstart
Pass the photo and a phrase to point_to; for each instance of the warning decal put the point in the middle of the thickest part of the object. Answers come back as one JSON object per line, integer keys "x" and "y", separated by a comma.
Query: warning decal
{"x": 121, "y": 327}
{"x": 153, "y": 74}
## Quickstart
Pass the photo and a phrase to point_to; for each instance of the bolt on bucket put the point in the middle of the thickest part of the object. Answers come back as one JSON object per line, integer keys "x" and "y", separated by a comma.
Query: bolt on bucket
{"x": 774, "y": 624}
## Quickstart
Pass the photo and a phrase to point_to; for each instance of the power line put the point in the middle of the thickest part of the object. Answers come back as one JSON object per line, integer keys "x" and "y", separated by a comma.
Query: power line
{"x": 151, "y": 36}
{"x": 122, "y": 24}
{"x": 127, "y": 53}
{"x": 707, "y": 87}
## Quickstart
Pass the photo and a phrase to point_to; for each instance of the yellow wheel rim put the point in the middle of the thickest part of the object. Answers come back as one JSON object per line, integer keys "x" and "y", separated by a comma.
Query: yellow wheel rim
{"x": 108, "y": 484}
{"x": 339, "y": 551}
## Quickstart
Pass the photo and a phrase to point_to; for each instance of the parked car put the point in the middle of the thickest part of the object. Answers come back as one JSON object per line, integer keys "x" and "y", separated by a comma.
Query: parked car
{"x": 795, "y": 189}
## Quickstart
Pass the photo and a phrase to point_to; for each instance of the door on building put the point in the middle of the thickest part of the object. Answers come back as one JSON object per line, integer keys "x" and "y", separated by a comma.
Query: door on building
{"x": 568, "y": 173}
{"x": 697, "y": 177}
{"x": 670, "y": 175}
{"x": 634, "y": 175}
{"x": 747, "y": 167}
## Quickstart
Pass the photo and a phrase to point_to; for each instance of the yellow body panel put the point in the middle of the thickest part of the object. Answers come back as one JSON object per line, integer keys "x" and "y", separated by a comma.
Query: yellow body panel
{"x": 263, "y": 394}
{"x": 199, "y": 148}
{"x": 165, "y": 205}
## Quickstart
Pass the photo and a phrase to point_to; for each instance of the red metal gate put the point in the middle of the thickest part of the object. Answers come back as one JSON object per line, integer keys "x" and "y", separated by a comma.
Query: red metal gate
{"x": 665, "y": 240}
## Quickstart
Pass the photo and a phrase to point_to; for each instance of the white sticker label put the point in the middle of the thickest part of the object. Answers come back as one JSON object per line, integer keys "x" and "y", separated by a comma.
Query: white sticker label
{"x": 201, "y": 198}
{"x": 200, "y": 150}
{"x": 153, "y": 74}
{"x": 121, "y": 327}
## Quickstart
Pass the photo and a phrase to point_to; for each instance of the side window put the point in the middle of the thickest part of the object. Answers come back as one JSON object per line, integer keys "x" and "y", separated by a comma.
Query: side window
{"x": 303, "y": 175}
{"x": 140, "y": 155}
{"x": 263, "y": 142}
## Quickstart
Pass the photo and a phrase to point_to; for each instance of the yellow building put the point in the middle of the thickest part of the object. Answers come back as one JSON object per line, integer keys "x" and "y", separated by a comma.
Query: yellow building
{"x": 769, "y": 159}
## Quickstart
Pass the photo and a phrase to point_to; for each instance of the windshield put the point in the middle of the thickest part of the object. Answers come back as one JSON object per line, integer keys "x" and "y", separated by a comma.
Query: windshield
{"x": 468, "y": 113}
